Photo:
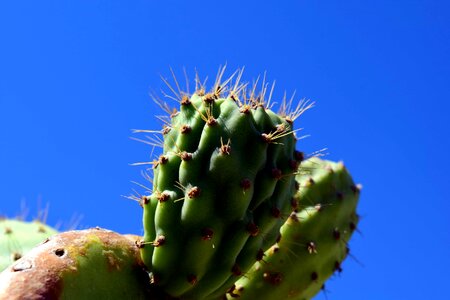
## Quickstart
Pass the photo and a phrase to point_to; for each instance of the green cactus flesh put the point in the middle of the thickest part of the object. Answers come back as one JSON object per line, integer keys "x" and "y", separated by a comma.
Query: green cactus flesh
{"x": 18, "y": 237}
{"x": 220, "y": 189}
{"x": 312, "y": 242}
{"x": 86, "y": 264}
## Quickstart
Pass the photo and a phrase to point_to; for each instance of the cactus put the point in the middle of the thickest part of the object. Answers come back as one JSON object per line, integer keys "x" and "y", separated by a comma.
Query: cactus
{"x": 85, "y": 264}
{"x": 234, "y": 212}
{"x": 225, "y": 179}
{"x": 17, "y": 237}
{"x": 313, "y": 241}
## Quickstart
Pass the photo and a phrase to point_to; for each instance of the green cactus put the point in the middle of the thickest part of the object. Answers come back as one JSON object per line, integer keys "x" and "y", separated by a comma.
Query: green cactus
{"x": 17, "y": 237}
{"x": 313, "y": 241}
{"x": 234, "y": 212}
{"x": 86, "y": 264}
{"x": 220, "y": 189}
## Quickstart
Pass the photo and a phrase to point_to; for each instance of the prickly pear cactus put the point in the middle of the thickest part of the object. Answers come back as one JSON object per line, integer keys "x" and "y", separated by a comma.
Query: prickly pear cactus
{"x": 17, "y": 237}
{"x": 221, "y": 189}
{"x": 87, "y": 264}
{"x": 313, "y": 241}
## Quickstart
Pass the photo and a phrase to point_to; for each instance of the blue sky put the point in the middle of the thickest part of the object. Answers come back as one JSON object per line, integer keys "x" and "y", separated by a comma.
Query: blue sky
{"x": 75, "y": 78}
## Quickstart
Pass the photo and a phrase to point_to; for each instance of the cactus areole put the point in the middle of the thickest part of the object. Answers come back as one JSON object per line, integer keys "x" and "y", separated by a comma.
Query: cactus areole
{"x": 222, "y": 188}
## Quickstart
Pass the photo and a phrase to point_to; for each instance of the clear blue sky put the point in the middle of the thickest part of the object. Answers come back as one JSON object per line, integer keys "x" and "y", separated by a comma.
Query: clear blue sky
{"x": 75, "y": 78}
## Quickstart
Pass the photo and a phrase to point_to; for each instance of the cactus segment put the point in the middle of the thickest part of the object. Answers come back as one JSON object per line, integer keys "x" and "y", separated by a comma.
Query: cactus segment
{"x": 226, "y": 175}
{"x": 86, "y": 264}
{"x": 18, "y": 237}
{"x": 313, "y": 241}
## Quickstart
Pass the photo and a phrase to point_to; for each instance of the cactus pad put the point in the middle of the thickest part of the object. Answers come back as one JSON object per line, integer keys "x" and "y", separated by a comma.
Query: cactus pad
{"x": 87, "y": 264}
{"x": 313, "y": 241}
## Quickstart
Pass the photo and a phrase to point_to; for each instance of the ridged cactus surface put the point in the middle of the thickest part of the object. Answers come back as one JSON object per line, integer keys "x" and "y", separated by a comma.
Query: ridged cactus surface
{"x": 313, "y": 241}
{"x": 17, "y": 237}
{"x": 221, "y": 190}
